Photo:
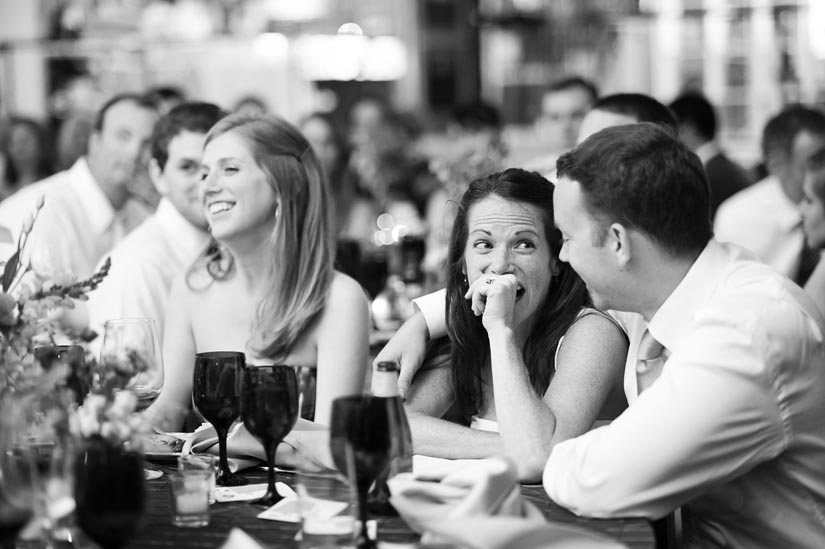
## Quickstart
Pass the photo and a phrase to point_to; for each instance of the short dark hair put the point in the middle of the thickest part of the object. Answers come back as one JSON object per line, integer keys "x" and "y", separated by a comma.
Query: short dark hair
{"x": 564, "y": 300}
{"x": 694, "y": 109}
{"x": 782, "y": 129}
{"x": 474, "y": 117}
{"x": 643, "y": 177}
{"x": 641, "y": 107}
{"x": 570, "y": 82}
{"x": 139, "y": 99}
{"x": 194, "y": 116}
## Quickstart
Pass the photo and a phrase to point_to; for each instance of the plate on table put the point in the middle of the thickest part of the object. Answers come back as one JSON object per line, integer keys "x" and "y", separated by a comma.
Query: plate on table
{"x": 162, "y": 456}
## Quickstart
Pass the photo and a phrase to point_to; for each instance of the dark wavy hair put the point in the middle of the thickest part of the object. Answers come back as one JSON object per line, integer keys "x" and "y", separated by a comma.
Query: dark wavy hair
{"x": 469, "y": 349}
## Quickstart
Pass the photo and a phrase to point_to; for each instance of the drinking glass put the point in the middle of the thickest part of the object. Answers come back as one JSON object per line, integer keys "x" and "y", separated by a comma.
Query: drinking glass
{"x": 215, "y": 393}
{"x": 361, "y": 442}
{"x": 109, "y": 493}
{"x": 269, "y": 410}
{"x": 17, "y": 473}
{"x": 134, "y": 341}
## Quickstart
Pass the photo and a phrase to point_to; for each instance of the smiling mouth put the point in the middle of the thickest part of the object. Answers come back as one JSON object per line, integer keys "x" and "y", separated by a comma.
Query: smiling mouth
{"x": 219, "y": 207}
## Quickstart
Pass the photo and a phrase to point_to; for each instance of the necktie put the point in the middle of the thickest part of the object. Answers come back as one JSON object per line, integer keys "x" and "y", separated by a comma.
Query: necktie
{"x": 650, "y": 358}
{"x": 808, "y": 258}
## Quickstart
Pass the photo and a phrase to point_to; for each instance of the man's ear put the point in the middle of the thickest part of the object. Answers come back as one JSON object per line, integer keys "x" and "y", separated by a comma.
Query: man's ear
{"x": 156, "y": 175}
{"x": 618, "y": 242}
{"x": 775, "y": 162}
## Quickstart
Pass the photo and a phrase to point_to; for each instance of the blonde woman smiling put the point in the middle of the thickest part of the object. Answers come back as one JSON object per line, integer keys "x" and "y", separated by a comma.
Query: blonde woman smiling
{"x": 266, "y": 285}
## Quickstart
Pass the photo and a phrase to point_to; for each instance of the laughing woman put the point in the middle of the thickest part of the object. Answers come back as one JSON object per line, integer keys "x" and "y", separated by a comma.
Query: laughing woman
{"x": 266, "y": 285}
{"x": 530, "y": 364}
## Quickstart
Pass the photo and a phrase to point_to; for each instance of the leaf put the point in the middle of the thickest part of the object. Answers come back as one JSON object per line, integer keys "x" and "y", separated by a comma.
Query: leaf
{"x": 10, "y": 270}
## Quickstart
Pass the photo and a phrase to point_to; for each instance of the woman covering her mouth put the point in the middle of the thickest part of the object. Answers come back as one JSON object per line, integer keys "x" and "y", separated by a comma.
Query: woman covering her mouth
{"x": 528, "y": 363}
{"x": 266, "y": 284}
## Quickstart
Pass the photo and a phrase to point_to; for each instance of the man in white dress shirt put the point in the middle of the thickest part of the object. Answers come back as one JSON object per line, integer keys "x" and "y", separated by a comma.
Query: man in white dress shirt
{"x": 764, "y": 218}
{"x": 89, "y": 207}
{"x": 147, "y": 261}
{"x": 725, "y": 375}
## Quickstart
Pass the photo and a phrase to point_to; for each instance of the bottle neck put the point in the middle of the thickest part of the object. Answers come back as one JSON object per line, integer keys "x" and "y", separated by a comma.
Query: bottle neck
{"x": 385, "y": 384}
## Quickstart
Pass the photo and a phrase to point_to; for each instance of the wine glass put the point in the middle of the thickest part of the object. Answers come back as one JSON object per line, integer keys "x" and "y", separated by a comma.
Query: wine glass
{"x": 361, "y": 443}
{"x": 17, "y": 472}
{"x": 109, "y": 493}
{"x": 269, "y": 410}
{"x": 135, "y": 342}
{"x": 215, "y": 393}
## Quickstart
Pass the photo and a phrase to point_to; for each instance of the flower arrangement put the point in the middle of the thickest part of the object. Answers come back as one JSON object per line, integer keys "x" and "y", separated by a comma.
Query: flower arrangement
{"x": 30, "y": 314}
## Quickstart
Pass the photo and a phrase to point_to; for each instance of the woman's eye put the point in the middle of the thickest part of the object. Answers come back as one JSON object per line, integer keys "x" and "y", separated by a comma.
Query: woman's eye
{"x": 230, "y": 169}
{"x": 481, "y": 245}
{"x": 525, "y": 245}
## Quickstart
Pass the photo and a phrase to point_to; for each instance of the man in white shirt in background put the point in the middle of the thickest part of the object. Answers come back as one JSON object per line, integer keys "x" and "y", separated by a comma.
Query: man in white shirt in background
{"x": 146, "y": 262}
{"x": 89, "y": 207}
{"x": 725, "y": 374}
{"x": 764, "y": 218}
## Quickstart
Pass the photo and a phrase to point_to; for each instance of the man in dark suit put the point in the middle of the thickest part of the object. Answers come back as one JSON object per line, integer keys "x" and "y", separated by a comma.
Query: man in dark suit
{"x": 697, "y": 130}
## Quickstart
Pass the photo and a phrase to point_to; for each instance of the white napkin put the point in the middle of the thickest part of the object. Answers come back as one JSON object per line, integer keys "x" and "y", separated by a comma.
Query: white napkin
{"x": 433, "y": 468}
{"x": 307, "y": 443}
{"x": 474, "y": 493}
{"x": 238, "y": 539}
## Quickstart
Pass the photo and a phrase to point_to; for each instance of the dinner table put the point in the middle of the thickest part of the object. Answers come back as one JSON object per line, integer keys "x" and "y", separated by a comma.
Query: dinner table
{"x": 157, "y": 532}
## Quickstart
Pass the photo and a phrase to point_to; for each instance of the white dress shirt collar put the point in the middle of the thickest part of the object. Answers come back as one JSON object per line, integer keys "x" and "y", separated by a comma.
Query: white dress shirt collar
{"x": 706, "y": 151}
{"x": 95, "y": 204}
{"x": 187, "y": 238}
{"x": 670, "y": 322}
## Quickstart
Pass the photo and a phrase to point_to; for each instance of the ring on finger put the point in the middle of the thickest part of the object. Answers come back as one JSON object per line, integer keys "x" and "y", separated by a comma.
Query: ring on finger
{"x": 489, "y": 281}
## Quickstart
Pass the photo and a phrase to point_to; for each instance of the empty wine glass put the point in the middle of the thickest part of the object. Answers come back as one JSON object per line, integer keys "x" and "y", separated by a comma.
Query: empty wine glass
{"x": 361, "y": 442}
{"x": 269, "y": 410}
{"x": 216, "y": 395}
{"x": 134, "y": 342}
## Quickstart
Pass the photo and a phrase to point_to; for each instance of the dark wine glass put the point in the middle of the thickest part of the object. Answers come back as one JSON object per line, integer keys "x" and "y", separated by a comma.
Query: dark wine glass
{"x": 216, "y": 395}
{"x": 269, "y": 410}
{"x": 109, "y": 493}
{"x": 361, "y": 444}
{"x": 17, "y": 471}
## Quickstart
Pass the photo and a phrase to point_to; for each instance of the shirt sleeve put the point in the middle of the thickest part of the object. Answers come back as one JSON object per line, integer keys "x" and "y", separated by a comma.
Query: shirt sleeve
{"x": 710, "y": 417}
{"x": 432, "y": 307}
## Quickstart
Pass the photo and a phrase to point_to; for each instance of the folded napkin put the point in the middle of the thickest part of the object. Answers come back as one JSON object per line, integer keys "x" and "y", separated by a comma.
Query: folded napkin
{"x": 306, "y": 445}
{"x": 479, "y": 505}
{"x": 238, "y": 539}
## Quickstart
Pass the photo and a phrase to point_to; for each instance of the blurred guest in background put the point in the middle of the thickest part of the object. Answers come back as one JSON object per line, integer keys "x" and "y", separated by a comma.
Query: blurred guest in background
{"x": 625, "y": 108}
{"x": 251, "y": 105}
{"x": 73, "y": 105}
{"x": 26, "y": 155}
{"x": 166, "y": 98}
{"x": 151, "y": 257}
{"x": 697, "y": 129}
{"x": 764, "y": 218}
{"x": 89, "y": 207}
{"x": 355, "y": 210}
{"x": 563, "y": 105}
{"x": 812, "y": 209}
{"x": 265, "y": 201}
{"x": 515, "y": 384}
{"x": 475, "y": 149}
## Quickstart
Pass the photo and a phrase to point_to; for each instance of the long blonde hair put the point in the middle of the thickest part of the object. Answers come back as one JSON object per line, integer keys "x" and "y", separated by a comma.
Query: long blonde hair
{"x": 302, "y": 244}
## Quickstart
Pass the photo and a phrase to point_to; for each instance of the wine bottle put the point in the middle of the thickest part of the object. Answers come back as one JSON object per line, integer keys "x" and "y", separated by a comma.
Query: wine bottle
{"x": 385, "y": 385}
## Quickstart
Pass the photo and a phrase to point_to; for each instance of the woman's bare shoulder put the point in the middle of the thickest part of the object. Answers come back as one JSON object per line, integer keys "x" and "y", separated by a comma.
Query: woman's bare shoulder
{"x": 594, "y": 325}
{"x": 345, "y": 291}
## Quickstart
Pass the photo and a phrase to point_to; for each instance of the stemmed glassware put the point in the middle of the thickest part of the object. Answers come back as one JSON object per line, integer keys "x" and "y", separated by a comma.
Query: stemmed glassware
{"x": 134, "y": 341}
{"x": 17, "y": 472}
{"x": 216, "y": 395}
{"x": 269, "y": 410}
{"x": 361, "y": 443}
